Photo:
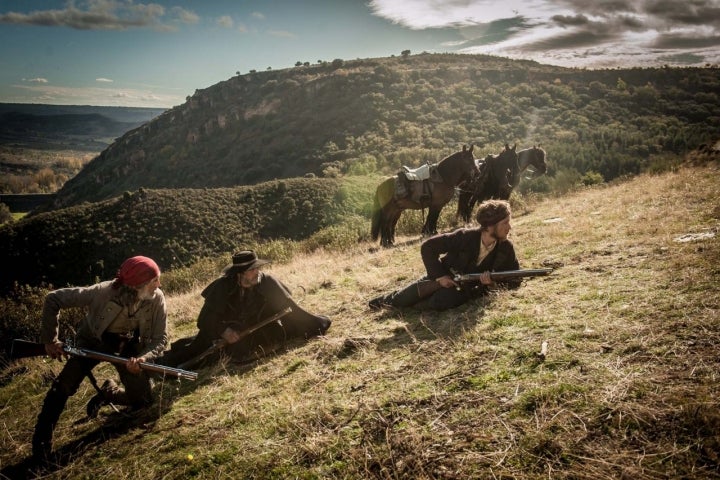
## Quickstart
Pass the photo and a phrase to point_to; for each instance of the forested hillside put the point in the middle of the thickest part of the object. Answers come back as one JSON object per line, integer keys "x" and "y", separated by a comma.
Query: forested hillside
{"x": 87, "y": 242}
{"x": 362, "y": 116}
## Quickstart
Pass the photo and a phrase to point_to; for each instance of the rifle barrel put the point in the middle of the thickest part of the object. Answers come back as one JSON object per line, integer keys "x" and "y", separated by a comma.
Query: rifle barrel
{"x": 152, "y": 367}
{"x": 530, "y": 272}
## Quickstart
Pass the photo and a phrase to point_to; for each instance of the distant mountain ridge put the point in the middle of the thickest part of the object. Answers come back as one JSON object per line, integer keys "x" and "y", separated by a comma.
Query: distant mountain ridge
{"x": 61, "y": 126}
{"x": 374, "y": 115}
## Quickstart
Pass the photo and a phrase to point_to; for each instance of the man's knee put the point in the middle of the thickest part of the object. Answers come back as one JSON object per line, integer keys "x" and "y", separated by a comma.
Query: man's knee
{"x": 446, "y": 299}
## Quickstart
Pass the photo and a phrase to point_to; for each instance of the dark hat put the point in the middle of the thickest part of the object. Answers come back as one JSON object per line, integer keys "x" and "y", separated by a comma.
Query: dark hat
{"x": 243, "y": 261}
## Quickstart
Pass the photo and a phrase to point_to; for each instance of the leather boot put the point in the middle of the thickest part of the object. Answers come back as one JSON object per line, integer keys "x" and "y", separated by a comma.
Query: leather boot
{"x": 53, "y": 406}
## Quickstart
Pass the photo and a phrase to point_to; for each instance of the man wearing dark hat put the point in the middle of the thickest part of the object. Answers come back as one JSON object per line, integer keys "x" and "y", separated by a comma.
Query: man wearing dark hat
{"x": 242, "y": 297}
{"x": 126, "y": 317}
{"x": 466, "y": 250}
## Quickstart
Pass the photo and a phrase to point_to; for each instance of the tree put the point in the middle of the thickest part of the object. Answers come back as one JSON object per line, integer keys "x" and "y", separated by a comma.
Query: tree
{"x": 405, "y": 53}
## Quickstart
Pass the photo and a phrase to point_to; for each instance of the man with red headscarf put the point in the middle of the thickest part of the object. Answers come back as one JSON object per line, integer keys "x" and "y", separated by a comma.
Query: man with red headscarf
{"x": 482, "y": 249}
{"x": 126, "y": 316}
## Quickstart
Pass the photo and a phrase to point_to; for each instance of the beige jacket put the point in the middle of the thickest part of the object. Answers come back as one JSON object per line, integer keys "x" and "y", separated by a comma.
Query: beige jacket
{"x": 152, "y": 316}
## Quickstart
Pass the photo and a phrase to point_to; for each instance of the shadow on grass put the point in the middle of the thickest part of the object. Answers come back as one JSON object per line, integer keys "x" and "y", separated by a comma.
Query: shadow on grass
{"x": 116, "y": 423}
{"x": 426, "y": 325}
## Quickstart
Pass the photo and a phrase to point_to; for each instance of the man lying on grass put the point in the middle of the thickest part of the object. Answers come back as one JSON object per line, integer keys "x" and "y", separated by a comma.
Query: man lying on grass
{"x": 482, "y": 249}
{"x": 235, "y": 304}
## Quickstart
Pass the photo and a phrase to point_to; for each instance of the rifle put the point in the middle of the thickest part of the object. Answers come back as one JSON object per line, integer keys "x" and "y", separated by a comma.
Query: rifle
{"x": 24, "y": 348}
{"x": 428, "y": 287}
{"x": 220, "y": 343}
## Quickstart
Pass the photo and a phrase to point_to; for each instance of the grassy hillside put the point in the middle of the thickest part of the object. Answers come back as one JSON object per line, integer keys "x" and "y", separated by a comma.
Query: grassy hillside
{"x": 373, "y": 115}
{"x": 76, "y": 245}
{"x": 628, "y": 388}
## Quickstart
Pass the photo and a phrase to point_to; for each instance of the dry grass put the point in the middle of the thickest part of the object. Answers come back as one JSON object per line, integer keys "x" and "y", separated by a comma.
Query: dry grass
{"x": 628, "y": 389}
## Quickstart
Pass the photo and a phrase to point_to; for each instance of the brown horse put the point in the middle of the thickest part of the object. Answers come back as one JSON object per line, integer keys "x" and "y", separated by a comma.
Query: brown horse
{"x": 432, "y": 193}
{"x": 497, "y": 176}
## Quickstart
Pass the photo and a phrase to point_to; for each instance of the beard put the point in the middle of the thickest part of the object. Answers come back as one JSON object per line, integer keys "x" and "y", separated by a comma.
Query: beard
{"x": 146, "y": 294}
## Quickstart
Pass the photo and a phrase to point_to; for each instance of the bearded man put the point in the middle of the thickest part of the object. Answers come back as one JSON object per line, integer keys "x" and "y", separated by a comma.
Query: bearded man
{"x": 483, "y": 249}
{"x": 126, "y": 316}
{"x": 238, "y": 301}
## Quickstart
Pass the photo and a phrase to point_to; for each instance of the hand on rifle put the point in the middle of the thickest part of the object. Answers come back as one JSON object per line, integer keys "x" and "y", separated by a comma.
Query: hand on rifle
{"x": 485, "y": 278}
{"x": 230, "y": 336}
{"x": 446, "y": 281}
{"x": 133, "y": 364}
{"x": 55, "y": 350}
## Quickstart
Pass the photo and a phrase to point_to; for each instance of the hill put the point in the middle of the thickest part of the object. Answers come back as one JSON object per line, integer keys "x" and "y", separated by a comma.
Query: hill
{"x": 75, "y": 245}
{"x": 628, "y": 388}
{"x": 68, "y": 126}
{"x": 373, "y": 115}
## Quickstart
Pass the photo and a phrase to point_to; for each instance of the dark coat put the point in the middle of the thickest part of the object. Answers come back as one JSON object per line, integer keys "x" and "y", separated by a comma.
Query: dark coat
{"x": 227, "y": 304}
{"x": 457, "y": 252}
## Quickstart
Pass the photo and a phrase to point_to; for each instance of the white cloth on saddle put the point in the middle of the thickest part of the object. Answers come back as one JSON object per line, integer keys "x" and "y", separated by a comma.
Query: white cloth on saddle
{"x": 418, "y": 174}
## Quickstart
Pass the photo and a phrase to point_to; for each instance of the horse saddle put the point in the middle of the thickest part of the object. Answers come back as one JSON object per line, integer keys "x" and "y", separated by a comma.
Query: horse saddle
{"x": 422, "y": 177}
{"x": 417, "y": 174}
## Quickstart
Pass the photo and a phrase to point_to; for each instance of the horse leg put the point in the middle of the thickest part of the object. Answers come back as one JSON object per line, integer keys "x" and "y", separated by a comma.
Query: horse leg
{"x": 393, "y": 224}
{"x": 388, "y": 227}
{"x": 430, "y": 227}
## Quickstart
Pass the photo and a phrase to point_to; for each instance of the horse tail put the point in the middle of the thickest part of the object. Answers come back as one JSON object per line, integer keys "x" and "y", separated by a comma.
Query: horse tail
{"x": 377, "y": 215}
{"x": 384, "y": 194}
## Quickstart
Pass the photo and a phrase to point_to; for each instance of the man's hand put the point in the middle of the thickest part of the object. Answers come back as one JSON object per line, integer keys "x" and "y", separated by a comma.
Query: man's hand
{"x": 446, "y": 281}
{"x": 230, "y": 336}
{"x": 133, "y": 365}
{"x": 55, "y": 350}
{"x": 485, "y": 278}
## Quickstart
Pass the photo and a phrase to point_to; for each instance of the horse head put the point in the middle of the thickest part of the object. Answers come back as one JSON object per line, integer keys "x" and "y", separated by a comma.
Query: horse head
{"x": 534, "y": 157}
{"x": 458, "y": 167}
{"x": 468, "y": 161}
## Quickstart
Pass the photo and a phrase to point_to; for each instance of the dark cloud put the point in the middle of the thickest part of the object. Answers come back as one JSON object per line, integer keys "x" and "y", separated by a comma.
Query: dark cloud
{"x": 580, "y": 38}
{"x": 685, "y": 12}
{"x": 493, "y": 32}
{"x": 566, "y": 20}
{"x": 668, "y": 41}
{"x": 601, "y": 8}
{"x": 99, "y": 16}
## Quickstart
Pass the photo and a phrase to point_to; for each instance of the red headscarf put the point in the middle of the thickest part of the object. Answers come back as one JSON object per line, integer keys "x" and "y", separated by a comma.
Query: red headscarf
{"x": 136, "y": 271}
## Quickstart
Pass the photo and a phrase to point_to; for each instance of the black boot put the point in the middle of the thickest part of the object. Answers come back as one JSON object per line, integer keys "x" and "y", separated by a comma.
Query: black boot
{"x": 53, "y": 406}
{"x": 378, "y": 303}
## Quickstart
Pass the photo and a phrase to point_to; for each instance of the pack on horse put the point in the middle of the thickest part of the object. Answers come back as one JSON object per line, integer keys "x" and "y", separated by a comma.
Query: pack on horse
{"x": 497, "y": 176}
{"x": 428, "y": 187}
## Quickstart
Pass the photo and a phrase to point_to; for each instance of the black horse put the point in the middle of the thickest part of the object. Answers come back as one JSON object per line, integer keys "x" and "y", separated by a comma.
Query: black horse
{"x": 396, "y": 194}
{"x": 497, "y": 177}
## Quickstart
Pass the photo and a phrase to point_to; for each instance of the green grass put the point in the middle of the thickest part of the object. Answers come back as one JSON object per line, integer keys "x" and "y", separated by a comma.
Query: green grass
{"x": 628, "y": 388}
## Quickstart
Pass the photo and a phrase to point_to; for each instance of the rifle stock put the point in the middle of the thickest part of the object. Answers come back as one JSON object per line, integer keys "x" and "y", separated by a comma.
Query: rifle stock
{"x": 24, "y": 349}
{"x": 428, "y": 287}
{"x": 220, "y": 343}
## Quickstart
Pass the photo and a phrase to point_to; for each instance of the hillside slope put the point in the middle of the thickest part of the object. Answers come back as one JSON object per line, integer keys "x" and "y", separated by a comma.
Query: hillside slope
{"x": 75, "y": 245}
{"x": 628, "y": 388}
{"x": 370, "y": 115}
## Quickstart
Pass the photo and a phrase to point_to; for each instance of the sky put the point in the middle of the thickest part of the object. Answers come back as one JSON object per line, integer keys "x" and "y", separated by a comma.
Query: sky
{"x": 141, "y": 53}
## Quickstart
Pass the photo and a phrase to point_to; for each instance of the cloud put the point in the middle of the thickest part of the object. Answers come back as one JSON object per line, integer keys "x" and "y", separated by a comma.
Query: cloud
{"x": 103, "y": 80}
{"x": 258, "y": 15}
{"x": 36, "y": 80}
{"x": 185, "y": 16}
{"x": 570, "y": 32}
{"x": 102, "y": 15}
{"x": 281, "y": 34}
{"x": 225, "y": 21}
